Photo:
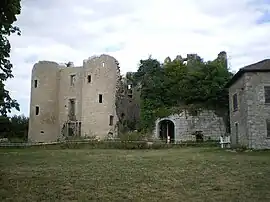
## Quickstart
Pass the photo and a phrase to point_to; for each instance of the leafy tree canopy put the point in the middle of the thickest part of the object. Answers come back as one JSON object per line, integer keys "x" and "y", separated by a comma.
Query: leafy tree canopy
{"x": 190, "y": 83}
{"x": 14, "y": 127}
{"x": 8, "y": 11}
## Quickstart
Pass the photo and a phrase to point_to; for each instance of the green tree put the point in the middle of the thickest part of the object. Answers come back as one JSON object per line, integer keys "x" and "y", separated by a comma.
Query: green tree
{"x": 19, "y": 127}
{"x": 176, "y": 85}
{"x": 5, "y": 127}
{"x": 150, "y": 77}
{"x": 9, "y": 9}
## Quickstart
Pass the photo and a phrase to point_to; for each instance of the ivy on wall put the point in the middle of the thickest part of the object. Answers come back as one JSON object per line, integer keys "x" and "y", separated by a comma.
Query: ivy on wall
{"x": 189, "y": 84}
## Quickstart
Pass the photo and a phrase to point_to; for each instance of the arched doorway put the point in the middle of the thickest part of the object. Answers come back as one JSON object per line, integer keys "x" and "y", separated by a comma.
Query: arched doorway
{"x": 167, "y": 129}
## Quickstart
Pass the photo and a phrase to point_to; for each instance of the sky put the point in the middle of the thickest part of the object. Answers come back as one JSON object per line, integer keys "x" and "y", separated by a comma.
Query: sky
{"x": 68, "y": 30}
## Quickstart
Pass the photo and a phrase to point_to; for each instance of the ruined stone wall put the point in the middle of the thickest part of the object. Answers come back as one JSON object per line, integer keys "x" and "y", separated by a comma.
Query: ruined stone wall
{"x": 257, "y": 110}
{"x": 128, "y": 106}
{"x": 186, "y": 125}
{"x": 54, "y": 90}
{"x": 44, "y": 126}
{"x": 67, "y": 92}
{"x": 104, "y": 73}
{"x": 240, "y": 116}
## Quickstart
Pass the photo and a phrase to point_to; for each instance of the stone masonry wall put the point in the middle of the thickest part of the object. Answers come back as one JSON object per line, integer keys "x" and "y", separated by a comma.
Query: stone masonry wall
{"x": 95, "y": 116}
{"x": 67, "y": 92}
{"x": 54, "y": 91}
{"x": 44, "y": 127}
{"x": 258, "y": 111}
{"x": 240, "y": 116}
{"x": 206, "y": 121}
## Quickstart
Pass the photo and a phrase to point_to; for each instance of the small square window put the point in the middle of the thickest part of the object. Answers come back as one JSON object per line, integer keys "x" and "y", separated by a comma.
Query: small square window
{"x": 37, "y": 110}
{"x": 235, "y": 102}
{"x": 35, "y": 83}
{"x": 100, "y": 98}
{"x": 111, "y": 120}
{"x": 89, "y": 79}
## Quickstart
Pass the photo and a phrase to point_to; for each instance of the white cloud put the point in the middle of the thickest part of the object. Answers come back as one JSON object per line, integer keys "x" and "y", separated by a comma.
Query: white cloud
{"x": 67, "y": 30}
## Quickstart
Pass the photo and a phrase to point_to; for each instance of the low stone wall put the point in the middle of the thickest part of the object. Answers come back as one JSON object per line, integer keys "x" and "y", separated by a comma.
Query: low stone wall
{"x": 211, "y": 126}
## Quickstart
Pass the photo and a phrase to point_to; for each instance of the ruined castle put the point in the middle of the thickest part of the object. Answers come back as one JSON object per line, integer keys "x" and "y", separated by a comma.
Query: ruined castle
{"x": 93, "y": 100}
{"x": 73, "y": 101}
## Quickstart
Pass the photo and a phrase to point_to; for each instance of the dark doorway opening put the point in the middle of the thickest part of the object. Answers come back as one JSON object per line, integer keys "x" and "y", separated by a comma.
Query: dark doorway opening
{"x": 166, "y": 131}
{"x": 236, "y": 134}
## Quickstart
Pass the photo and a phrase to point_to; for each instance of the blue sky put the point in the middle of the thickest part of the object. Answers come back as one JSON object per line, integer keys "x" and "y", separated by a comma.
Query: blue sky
{"x": 68, "y": 30}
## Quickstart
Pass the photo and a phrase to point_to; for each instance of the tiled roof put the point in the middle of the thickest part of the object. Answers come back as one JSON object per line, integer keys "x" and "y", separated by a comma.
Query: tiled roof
{"x": 261, "y": 66}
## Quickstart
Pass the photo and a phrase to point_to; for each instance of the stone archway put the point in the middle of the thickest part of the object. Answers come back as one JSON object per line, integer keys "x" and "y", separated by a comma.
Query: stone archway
{"x": 166, "y": 128}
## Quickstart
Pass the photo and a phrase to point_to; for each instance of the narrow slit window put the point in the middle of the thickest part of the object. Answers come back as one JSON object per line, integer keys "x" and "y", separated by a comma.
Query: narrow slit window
{"x": 37, "y": 110}
{"x": 35, "y": 83}
{"x": 267, "y": 94}
{"x": 89, "y": 79}
{"x": 111, "y": 120}
{"x": 268, "y": 128}
{"x": 100, "y": 98}
{"x": 103, "y": 64}
{"x": 235, "y": 102}
{"x": 71, "y": 110}
{"x": 72, "y": 80}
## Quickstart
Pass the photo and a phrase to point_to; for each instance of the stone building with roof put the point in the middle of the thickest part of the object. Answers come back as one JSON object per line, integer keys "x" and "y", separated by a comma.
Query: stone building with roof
{"x": 249, "y": 102}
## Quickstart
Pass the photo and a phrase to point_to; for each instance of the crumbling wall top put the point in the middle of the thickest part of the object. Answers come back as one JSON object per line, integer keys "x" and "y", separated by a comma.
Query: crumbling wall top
{"x": 44, "y": 62}
{"x": 95, "y": 58}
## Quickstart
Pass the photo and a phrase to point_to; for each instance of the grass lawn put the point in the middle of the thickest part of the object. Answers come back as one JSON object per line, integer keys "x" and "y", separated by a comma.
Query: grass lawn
{"x": 186, "y": 174}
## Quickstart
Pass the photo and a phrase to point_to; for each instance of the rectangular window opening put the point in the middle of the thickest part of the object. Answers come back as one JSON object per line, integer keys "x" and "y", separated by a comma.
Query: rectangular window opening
{"x": 235, "y": 102}
{"x": 89, "y": 78}
{"x": 267, "y": 94}
{"x": 35, "y": 83}
{"x": 72, "y": 109}
{"x": 268, "y": 128}
{"x": 72, "y": 80}
{"x": 100, "y": 98}
{"x": 111, "y": 120}
{"x": 37, "y": 110}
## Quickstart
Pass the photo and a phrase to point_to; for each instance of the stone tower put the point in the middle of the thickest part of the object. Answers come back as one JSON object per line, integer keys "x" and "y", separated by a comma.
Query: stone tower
{"x": 222, "y": 56}
{"x": 73, "y": 101}
{"x": 98, "y": 95}
{"x": 43, "y": 122}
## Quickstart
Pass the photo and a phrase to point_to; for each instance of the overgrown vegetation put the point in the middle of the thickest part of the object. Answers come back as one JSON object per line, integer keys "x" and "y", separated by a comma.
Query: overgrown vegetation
{"x": 190, "y": 84}
{"x": 14, "y": 128}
